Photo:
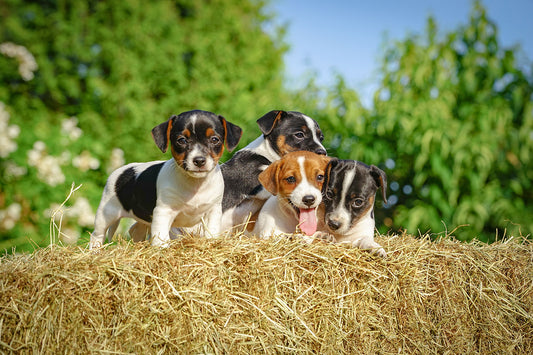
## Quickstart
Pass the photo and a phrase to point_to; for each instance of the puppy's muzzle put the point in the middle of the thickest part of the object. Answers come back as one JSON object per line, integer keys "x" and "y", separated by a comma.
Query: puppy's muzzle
{"x": 321, "y": 151}
{"x": 334, "y": 224}
{"x": 199, "y": 161}
{"x": 308, "y": 200}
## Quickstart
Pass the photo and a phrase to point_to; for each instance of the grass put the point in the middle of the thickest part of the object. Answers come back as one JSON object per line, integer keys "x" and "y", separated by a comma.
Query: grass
{"x": 240, "y": 295}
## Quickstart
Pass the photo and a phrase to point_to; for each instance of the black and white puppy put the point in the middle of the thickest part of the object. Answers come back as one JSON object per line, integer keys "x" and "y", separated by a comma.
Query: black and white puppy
{"x": 283, "y": 132}
{"x": 349, "y": 192}
{"x": 184, "y": 191}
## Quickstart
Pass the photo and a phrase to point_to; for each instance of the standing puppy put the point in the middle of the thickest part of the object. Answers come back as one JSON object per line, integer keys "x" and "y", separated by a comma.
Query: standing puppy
{"x": 349, "y": 192}
{"x": 296, "y": 182}
{"x": 180, "y": 192}
{"x": 283, "y": 132}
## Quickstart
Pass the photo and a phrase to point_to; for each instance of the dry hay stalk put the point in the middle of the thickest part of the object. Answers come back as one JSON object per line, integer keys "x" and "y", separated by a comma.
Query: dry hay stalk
{"x": 239, "y": 296}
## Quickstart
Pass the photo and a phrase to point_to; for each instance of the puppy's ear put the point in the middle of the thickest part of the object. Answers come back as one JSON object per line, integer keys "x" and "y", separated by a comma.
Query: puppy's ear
{"x": 333, "y": 162}
{"x": 269, "y": 177}
{"x": 381, "y": 180}
{"x": 232, "y": 133}
{"x": 161, "y": 134}
{"x": 269, "y": 121}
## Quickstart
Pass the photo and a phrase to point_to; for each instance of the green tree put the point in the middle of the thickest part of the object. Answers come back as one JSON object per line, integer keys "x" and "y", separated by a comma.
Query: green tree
{"x": 452, "y": 125}
{"x": 119, "y": 68}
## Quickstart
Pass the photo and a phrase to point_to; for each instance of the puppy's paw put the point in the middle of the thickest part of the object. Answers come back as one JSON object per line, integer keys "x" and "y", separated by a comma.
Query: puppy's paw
{"x": 325, "y": 237}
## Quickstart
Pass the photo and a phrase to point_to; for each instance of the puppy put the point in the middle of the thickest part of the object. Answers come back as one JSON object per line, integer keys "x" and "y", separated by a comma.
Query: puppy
{"x": 349, "y": 192}
{"x": 181, "y": 192}
{"x": 295, "y": 181}
{"x": 283, "y": 132}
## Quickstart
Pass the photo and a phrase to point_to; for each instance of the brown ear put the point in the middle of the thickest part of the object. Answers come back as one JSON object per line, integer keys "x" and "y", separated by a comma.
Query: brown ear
{"x": 269, "y": 177}
{"x": 381, "y": 180}
{"x": 232, "y": 133}
{"x": 269, "y": 120}
{"x": 161, "y": 134}
{"x": 332, "y": 163}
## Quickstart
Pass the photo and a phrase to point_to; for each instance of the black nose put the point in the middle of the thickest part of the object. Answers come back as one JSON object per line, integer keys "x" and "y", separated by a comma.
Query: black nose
{"x": 308, "y": 200}
{"x": 199, "y": 161}
{"x": 334, "y": 224}
{"x": 321, "y": 151}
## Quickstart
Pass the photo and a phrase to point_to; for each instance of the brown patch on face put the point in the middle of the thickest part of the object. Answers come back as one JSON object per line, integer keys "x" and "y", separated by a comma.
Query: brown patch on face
{"x": 283, "y": 147}
{"x": 178, "y": 157}
{"x": 216, "y": 154}
{"x": 315, "y": 168}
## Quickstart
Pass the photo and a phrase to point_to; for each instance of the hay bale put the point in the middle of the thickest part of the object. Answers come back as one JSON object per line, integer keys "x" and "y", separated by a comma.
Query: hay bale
{"x": 240, "y": 296}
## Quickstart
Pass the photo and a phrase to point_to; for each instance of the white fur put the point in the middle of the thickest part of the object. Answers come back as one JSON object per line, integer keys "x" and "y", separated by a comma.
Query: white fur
{"x": 277, "y": 216}
{"x": 182, "y": 201}
{"x": 361, "y": 235}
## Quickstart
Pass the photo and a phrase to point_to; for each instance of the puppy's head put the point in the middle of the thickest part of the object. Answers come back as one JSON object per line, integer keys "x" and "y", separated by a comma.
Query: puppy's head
{"x": 196, "y": 140}
{"x": 349, "y": 192}
{"x": 290, "y": 131}
{"x": 297, "y": 180}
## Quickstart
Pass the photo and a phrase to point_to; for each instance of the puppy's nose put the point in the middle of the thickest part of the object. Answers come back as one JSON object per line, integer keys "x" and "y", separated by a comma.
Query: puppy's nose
{"x": 334, "y": 224}
{"x": 199, "y": 161}
{"x": 308, "y": 200}
{"x": 321, "y": 151}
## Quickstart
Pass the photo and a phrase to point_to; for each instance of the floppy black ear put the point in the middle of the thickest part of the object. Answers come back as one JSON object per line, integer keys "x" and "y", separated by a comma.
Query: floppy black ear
{"x": 232, "y": 133}
{"x": 268, "y": 121}
{"x": 332, "y": 164}
{"x": 381, "y": 180}
{"x": 161, "y": 132}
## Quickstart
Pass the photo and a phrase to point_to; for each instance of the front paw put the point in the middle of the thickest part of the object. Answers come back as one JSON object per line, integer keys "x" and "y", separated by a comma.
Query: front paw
{"x": 324, "y": 236}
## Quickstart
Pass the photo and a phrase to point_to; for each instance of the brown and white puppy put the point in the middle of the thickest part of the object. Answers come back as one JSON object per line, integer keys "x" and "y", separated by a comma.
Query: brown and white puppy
{"x": 349, "y": 192}
{"x": 295, "y": 181}
{"x": 283, "y": 132}
{"x": 184, "y": 191}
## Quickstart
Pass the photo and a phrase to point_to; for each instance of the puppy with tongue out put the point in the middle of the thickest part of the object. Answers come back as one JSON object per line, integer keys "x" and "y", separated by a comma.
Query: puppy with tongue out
{"x": 295, "y": 181}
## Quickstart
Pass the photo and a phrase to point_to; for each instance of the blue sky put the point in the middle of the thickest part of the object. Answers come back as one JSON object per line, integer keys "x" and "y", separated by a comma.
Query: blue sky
{"x": 346, "y": 37}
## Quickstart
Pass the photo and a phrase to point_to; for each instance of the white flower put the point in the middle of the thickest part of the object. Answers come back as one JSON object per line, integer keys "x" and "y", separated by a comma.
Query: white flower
{"x": 10, "y": 216}
{"x": 116, "y": 160}
{"x": 27, "y": 63}
{"x": 85, "y": 161}
{"x": 13, "y": 170}
{"x": 69, "y": 235}
{"x": 69, "y": 127}
{"x": 7, "y": 133}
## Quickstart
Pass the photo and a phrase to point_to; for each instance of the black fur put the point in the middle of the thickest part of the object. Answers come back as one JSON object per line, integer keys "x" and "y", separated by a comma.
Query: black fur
{"x": 364, "y": 185}
{"x": 293, "y": 126}
{"x": 242, "y": 170}
{"x": 137, "y": 193}
{"x": 239, "y": 185}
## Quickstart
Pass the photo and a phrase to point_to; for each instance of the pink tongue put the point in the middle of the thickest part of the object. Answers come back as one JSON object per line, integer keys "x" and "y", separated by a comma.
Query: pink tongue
{"x": 308, "y": 221}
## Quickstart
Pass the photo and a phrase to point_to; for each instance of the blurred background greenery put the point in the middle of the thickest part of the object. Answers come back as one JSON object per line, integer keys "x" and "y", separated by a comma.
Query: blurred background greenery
{"x": 83, "y": 83}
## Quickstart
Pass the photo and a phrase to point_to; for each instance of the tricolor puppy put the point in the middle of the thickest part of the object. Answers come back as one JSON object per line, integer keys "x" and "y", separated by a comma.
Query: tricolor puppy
{"x": 283, "y": 132}
{"x": 349, "y": 192}
{"x": 296, "y": 182}
{"x": 181, "y": 192}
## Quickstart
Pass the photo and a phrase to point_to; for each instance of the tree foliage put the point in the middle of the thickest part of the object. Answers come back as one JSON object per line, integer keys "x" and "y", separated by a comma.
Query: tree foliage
{"x": 82, "y": 84}
{"x": 452, "y": 125}
{"x": 119, "y": 68}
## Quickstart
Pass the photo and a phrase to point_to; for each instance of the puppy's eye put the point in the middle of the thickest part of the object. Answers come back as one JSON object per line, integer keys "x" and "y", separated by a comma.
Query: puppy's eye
{"x": 320, "y": 178}
{"x": 330, "y": 194}
{"x": 182, "y": 140}
{"x": 214, "y": 140}
{"x": 291, "y": 179}
{"x": 358, "y": 202}
{"x": 299, "y": 135}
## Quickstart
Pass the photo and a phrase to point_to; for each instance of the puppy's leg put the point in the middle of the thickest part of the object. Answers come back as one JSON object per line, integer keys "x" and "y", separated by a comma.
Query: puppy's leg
{"x": 138, "y": 231}
{"x": 107, "y": 218}
{"x": 161, "y": 222}
{"x": 213, "y": 222}
{"x": 370, "y": 244}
